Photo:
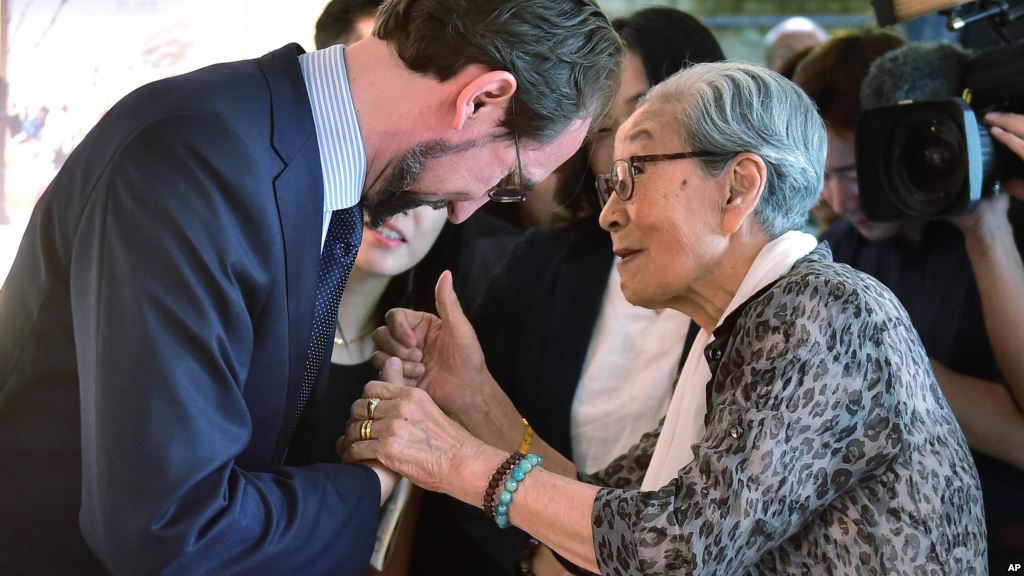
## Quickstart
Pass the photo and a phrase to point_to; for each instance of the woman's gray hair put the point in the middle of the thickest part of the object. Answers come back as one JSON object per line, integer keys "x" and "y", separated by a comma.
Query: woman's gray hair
{"x": 732, "y": 107}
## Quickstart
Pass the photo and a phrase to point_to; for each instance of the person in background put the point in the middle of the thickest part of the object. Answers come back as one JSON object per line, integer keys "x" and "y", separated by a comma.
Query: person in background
{"x": 32, "y": 129}
{"x": 789, "y": 37}
{"x": 957, "y": 279}
{"x": 807, "y": 433}
{"x": 832, "y": 73}
{"x": 171, "y": 306}
{"x": 591, "y": 372}
{"x": 396, "y": 266}
{"x": 789, "y": 66}
{"x": 346, "y": 22}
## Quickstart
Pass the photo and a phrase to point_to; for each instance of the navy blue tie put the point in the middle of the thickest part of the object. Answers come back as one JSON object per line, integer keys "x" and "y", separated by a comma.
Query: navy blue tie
{"x": 344, "y": 234}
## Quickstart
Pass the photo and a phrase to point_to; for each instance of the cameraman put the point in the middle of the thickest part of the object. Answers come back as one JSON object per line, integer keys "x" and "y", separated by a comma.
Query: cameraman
{"x": 961, "y": 281}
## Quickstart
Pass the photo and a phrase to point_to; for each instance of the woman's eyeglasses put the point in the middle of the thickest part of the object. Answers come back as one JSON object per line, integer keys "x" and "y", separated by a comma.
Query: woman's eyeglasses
{"x": 625, "y": 170}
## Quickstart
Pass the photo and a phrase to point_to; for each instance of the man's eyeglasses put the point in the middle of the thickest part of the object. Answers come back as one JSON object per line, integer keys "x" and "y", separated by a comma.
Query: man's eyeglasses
{"x": 511, "y": 189}
{"x": 625, "y": 170}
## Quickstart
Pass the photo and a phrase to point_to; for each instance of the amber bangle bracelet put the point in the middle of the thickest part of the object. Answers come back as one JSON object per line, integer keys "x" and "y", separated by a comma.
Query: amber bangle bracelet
{"x": 527, "y": 440}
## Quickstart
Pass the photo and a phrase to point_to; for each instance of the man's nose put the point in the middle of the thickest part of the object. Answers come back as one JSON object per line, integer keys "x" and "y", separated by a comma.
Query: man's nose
{"x": 459, "y": 211}
{"x": 841, "y": 196}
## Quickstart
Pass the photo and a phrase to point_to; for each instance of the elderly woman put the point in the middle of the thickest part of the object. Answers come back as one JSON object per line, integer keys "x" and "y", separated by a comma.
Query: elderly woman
{"x": 806, "y": 433}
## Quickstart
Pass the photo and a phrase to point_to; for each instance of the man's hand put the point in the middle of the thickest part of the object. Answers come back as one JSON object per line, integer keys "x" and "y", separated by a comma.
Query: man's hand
{"x": 988, "y": 219}
{"x": 1008, "y": 129}
{"x": 440, "y": 354}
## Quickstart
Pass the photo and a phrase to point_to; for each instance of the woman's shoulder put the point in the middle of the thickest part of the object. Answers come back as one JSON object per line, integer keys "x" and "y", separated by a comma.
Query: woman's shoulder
{"x": 816, "y": 282}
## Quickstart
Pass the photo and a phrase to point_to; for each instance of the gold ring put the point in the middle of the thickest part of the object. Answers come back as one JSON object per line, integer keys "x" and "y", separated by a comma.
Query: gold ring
{"x": 365, "y": 429}
{"x": 371, "y": 405}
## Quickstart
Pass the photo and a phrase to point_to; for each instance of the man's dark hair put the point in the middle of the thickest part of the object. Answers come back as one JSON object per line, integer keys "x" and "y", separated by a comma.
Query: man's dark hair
{"x": 337, "y": 23}
{"x": 564, "y": 54}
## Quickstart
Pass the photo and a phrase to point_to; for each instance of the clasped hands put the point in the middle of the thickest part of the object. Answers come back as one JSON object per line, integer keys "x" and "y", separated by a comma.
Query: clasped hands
{"x": 430, "y": 366}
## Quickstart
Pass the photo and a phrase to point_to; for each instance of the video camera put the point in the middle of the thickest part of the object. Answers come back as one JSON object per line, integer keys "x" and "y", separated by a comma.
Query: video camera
{"x": 922, "y": 148}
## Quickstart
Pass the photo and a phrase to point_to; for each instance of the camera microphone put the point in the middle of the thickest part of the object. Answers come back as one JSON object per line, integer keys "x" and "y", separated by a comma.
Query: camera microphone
{"x": 915, "y": 72}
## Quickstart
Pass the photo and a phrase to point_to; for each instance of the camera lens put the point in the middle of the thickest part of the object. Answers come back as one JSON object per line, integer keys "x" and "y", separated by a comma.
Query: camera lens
{"x": 931, "y": 156}
{"x": 928, "y": 163}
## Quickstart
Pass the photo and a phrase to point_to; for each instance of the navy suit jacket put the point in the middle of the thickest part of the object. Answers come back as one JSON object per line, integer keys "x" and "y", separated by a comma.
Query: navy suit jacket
{"x": 153, "y": 332}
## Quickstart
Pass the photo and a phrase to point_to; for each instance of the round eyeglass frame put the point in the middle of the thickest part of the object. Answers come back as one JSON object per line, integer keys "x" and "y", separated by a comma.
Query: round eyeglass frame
{"x": 622, "y": 178}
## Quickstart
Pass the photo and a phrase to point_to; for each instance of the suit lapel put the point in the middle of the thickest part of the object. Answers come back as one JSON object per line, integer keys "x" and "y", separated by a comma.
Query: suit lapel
{"x": 299, "y": 191}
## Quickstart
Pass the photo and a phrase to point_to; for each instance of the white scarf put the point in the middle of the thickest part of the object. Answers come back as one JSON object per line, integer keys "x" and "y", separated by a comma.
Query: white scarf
{"x": 684, "y": 422}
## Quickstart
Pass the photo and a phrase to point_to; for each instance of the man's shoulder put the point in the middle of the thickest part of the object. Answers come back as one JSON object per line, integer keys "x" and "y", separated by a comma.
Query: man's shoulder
{"x": 236, "y": 92}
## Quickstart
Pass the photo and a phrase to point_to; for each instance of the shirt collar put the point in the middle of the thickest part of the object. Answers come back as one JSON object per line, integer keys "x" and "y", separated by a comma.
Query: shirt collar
{"x": 342, "y": 156}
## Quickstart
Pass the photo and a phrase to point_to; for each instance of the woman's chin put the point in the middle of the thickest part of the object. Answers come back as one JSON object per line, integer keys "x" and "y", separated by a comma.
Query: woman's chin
{"x": 636, "y": 296}
{"x": 378, "y": 268}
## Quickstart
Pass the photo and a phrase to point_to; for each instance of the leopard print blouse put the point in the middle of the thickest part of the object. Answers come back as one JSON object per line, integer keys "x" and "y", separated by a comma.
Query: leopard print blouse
{"x": 828, "y": 449}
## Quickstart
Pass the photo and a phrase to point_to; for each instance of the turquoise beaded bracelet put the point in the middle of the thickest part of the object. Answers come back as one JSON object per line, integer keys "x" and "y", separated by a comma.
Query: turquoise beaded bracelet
{"x": 515, "y": 476}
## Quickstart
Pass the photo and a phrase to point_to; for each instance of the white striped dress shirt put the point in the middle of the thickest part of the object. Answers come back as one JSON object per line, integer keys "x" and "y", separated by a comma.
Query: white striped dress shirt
{"x": 342, "y": 156}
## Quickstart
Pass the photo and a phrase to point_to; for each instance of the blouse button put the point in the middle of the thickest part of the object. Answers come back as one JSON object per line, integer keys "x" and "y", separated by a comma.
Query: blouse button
{"x": 716, "y": 354}
{"x": 735, "y": 431}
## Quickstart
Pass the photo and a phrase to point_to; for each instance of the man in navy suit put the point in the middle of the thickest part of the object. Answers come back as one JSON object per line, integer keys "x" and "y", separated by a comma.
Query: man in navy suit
{"x": 159, "y": 323}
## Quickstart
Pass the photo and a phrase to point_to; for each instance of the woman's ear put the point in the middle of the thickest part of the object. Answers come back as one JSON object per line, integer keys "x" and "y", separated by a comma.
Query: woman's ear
{"x": 485, "y": 95}
{"x": 745, "y": 180}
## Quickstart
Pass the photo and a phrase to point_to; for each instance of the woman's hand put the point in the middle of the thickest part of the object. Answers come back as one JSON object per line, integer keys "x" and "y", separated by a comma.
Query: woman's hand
{"x": 440, "y": 354}
{"x": 409, "y": 435}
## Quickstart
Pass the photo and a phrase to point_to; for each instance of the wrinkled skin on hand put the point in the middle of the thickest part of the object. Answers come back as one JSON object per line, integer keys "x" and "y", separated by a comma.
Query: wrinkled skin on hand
{"x": 410, "y": 435}
{"x": 440, "y": 354}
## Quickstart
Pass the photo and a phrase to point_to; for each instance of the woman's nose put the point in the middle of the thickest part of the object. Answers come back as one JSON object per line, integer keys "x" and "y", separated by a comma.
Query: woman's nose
{"x": 613, "y": 216}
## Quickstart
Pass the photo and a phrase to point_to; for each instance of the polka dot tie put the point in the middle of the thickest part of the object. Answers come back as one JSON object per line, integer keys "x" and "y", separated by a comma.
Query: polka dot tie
{"x": 344, "y": 234}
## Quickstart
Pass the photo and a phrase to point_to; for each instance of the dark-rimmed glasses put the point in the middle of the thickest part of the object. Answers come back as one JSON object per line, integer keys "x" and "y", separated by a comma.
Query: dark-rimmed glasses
{"x": 625, "y": 170}
{"x": 511, "y": 189}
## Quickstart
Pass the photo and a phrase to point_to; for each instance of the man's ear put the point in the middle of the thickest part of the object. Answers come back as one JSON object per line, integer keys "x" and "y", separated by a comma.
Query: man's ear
{"x": 485, "y": 94}
{"x": 744, "y": 179}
